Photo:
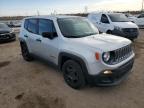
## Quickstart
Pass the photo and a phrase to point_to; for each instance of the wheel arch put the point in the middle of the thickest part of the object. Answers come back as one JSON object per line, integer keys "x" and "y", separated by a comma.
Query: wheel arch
{"x": 64, "y": 56}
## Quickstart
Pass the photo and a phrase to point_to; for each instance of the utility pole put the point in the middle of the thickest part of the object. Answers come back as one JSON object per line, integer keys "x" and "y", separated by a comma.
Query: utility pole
{"x": 38, "y": 13}
{"x": 142, "y": 5}
{"x": 85, "y": 9}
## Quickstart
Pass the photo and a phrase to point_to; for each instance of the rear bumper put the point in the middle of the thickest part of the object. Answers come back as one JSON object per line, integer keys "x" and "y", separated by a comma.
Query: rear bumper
{"x": 129, "y": 35}
{"x": 7, "y": 37}
{"x": 117, "y": 76}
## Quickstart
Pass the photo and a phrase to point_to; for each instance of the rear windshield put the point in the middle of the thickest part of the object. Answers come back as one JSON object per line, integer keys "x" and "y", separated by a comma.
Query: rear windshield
{"x": 118, "y": 18}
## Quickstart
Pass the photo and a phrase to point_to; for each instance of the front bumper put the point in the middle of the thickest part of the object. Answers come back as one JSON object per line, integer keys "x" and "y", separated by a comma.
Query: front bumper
{"x": 126, "y": 34}
{"x": 141, "y": 26}
{"x": 115, "y": 78}
{"x": 7, "y": 37}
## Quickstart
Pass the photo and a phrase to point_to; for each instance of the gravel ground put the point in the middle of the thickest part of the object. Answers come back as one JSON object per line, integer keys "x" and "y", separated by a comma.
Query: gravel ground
{"x": 40, "y": 85}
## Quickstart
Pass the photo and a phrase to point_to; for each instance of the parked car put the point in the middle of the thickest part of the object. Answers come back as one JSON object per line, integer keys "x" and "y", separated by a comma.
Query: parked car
{"x": 6, "y": 33}
{"x": 14, "y": 23}
{"x": 114, "y": 23}
{"x": 76, "y": 47}
{"x": 139, "y": 20}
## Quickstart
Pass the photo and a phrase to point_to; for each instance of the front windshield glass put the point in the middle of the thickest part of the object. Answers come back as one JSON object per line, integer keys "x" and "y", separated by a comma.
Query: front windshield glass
{"x": 118, "y": 18}
{"x": 76, "y": 27}
{"x": 3, "y": 26}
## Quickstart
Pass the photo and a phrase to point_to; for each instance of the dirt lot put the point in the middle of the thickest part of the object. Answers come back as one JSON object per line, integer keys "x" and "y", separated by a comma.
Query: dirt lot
{"x": 40, "y": 85}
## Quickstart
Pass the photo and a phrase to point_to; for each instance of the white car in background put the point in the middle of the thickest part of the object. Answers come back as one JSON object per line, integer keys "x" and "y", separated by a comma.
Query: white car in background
{"x": 114, "y": 23}
{"x": 139, "y": 20}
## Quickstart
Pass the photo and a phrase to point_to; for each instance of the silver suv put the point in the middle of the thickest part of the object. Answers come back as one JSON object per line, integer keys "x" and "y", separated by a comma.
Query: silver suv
{"x": 76, "y": 47}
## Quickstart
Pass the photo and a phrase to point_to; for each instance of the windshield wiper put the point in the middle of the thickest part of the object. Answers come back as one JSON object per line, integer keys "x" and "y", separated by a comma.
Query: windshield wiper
{"x": 72, "y": 36}
{"x": 79, "y": 36}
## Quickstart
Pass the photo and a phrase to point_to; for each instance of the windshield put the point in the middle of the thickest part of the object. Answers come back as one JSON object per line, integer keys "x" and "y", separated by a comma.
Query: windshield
{"x": 3, "y": 26}
{"x": 118, "y": 18}
{"x": 76, "y": 27}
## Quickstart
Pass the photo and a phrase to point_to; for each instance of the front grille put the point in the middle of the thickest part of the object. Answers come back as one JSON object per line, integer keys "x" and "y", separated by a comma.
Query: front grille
{"x": 130, "y": 30}
{"x": 122, "y": 53}
{"x": 5, "y": 36}
{"x": 4, "y": 32}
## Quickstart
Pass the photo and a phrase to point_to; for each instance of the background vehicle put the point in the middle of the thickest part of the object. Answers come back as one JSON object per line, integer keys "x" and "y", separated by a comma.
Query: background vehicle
{"x": 139, "y": 20}
{"x": 15, "y": 23}
{"x": 6, "y": 33}
{"x": 114, "y": 23}
{"x": 76, "y": 47}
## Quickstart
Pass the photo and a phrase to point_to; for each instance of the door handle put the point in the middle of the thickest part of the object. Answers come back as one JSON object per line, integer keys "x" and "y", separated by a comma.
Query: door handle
{"x": 26, "y": 36}
{"x": 38, "y": 40}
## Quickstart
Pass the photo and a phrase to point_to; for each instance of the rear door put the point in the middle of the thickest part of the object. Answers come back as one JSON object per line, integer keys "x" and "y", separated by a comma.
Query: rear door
{"x": 32, "y": 38}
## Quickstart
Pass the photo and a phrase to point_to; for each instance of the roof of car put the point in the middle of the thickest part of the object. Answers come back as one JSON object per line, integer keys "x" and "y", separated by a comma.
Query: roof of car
{"x": 104, "y": 13}
{"x": 52, "y": 16}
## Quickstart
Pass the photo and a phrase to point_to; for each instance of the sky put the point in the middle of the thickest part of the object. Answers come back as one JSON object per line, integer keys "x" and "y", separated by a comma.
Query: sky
{"x": 45, "y": 7}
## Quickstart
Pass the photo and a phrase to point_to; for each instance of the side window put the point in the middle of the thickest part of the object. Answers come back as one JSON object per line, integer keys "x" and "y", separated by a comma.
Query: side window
{"x": 46, "y": 25}
{"x": 26, "y": 24}
{"x": 141, "y": 16}
{"x": 32, "y": 26}
{"x": 104, "y": 19}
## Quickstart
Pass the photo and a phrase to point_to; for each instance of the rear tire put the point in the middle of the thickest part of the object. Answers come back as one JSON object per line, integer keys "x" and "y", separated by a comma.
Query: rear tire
{"x": 25, "y": 52}
{"x": 73, "y": 74}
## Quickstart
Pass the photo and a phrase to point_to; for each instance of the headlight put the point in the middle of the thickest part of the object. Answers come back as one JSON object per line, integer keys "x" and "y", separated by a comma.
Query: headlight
{"x": 12, "y": 30}
{"x": 117, "y": 28}
{"x": 106, "y": 56}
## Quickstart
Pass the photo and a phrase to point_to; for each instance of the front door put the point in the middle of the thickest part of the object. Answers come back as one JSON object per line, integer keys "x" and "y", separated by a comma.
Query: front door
{"x": 104, "y": 23}
{"x": 49, "y": 46}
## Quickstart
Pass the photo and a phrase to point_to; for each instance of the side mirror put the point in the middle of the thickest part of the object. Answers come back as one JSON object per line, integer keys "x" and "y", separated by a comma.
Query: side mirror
{"x": 49, "y": 35}
{"x": 106, "y": 22}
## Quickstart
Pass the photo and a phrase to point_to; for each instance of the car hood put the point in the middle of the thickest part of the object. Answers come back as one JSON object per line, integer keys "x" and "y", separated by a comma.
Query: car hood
{"x": 125, "y": 24}
{"x": 5, "y": 31}
{"x": 103, "y": 42}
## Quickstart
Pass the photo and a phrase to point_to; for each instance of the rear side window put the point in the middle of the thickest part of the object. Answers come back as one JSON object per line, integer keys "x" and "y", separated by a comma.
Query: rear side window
{"x": 26, "y": 24}
{"x": 46, "y": 25}
{"x": 31, "y": 25}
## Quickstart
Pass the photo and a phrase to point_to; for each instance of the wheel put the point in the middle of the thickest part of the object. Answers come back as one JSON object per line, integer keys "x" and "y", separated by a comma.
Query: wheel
{"x": 109, "y": 32}
{"x": 73, "y": 74}
{"x": 25, "y": 52}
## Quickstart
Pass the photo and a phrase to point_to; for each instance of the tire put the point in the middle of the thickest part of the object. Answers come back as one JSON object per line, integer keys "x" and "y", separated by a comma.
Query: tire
{"x": 109, "y": 32}
{"x": 25, "y": 52}
{"x": 73, "y": 74}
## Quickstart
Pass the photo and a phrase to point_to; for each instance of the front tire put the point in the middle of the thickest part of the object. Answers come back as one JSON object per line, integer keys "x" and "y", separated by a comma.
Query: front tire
{"x": 73, "y": 74}
{"x": 25, "y": 52}
{"x": 109, "y": 32}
